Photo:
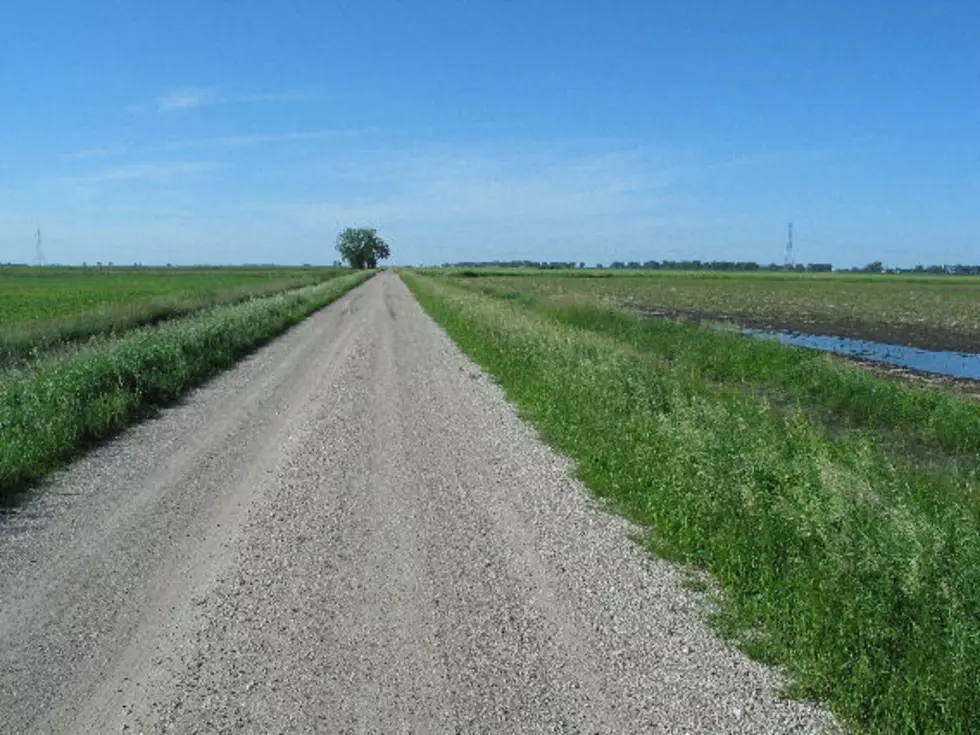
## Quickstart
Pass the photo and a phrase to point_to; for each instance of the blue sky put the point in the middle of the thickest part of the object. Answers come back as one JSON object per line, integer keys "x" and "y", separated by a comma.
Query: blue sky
{"x": 230, "y": 132}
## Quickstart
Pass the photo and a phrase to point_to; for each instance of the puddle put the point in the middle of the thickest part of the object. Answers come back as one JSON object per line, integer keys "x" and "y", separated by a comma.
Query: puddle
{"x": 952, "y": 364}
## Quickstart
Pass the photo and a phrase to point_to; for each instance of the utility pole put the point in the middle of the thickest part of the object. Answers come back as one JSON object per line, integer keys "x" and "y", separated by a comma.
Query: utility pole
{"x": 39, "y": 255}
{"x": 789, "y": 260}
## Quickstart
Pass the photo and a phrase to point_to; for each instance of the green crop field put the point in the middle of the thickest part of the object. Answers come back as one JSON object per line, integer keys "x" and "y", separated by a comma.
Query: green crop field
{"x": 933, "y": 312}
{"x": 42, "y": 308}
{"x": 55, "y": 408}
{"x": 839, "y": 512}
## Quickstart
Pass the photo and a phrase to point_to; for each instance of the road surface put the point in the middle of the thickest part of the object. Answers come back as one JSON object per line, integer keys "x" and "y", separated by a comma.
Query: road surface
{"x": 351, "y": 531}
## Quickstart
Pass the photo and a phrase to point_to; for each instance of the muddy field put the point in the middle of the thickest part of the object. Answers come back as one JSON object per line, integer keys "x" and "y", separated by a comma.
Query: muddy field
{"x": 929, "y": 312}
{"x": 925, "y": 336}
{"x": 921, "y": 337}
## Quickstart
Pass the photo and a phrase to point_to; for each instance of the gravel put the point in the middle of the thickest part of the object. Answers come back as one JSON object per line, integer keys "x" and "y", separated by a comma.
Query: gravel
{"x": 352, "y": 531}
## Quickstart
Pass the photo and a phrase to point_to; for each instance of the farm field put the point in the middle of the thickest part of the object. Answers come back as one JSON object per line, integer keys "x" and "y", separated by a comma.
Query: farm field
{"x": 932, "y": 312}
{"x": 51, "y": 409}
{"x": 837, "y": 510}
{"x": 42, "y": 308}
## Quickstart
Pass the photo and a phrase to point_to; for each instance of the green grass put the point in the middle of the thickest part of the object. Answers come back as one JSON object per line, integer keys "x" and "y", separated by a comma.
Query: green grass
{"x": 51, "y": 413}
{"x": 930, "y": 420}
{"x": 43, "y": 308}
{"x": 856, "y": 572}
{"x": 939, "y": 312}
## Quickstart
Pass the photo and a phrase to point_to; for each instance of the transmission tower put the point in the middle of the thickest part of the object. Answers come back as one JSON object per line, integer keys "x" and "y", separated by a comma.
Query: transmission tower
{"x": 39, "y": 254}
{"x": 790, "y": 259}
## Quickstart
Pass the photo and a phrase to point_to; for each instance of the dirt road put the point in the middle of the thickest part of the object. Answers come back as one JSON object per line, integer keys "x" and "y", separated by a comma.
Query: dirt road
{"x": 350, "y": 531}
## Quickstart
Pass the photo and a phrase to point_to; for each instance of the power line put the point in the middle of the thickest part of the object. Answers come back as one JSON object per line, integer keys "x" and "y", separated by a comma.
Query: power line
{"x": 39, "y": 255}
{"x": 789, "y": 259}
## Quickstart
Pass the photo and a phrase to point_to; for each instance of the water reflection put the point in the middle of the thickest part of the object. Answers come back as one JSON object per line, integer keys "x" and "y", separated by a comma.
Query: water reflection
{"x": 953, "y": 364}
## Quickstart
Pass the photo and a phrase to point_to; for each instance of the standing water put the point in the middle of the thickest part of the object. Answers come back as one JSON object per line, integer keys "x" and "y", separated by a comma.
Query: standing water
{"x": 953, "y": 364}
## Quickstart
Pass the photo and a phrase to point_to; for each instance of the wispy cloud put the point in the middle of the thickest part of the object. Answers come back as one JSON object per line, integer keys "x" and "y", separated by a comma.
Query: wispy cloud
{"x": 102, "y": 152}
{"x": 218, "y": 141}
{"x": 505, "y": 187}
{"x": 231, "y": 141}
{"x": 187, "y": 98}
{"x": 151, "y": 171}
{"x": 774, "y": 157}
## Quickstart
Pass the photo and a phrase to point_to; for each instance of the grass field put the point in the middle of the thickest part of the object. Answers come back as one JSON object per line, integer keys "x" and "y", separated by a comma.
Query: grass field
{"x": 838, "y": 511}
{"x": 42, "y": 308}
{"x": 933, "y": 312}
{"x": 56, "y": 408}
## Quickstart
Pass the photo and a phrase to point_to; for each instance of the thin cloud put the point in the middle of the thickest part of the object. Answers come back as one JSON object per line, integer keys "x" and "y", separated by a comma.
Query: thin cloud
{"x": 185, "y": 98}
{"x": 154, "y": 171}
{"x": 514, "y": 186}
{"x": 218, "y": 141}
{"x": 103, "y": 152}
{"x": 188, "y": 98}
{"x": 230, "y": 141}
{"x": 773, "y": 157}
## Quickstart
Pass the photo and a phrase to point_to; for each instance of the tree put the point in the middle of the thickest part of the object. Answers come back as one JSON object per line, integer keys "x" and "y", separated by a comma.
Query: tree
{"x": 361, "y": 247}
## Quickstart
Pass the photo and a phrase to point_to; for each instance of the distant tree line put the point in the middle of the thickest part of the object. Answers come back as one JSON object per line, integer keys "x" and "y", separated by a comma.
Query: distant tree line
{"x": 933, "y": 270}
{"x": 684, "y": 265}
{"x": 555, "y": 265}
{"x": 724, "y": 265}
{"x": 953, "y": 270}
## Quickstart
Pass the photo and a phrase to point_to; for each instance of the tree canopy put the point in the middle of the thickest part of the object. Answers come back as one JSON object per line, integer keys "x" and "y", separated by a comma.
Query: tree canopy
{"x": 361, "y": 247}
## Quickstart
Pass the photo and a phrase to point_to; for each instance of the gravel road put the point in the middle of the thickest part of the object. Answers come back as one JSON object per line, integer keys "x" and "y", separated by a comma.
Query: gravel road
{"x": 351, "y": 531}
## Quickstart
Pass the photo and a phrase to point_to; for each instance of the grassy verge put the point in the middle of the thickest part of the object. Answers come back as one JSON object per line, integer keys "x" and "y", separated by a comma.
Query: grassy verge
{"x": 859, "y": 576}
{"x": 49, "y": 415}
{"x": 932, "y": 418}
{"x": 928, "y": 426}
